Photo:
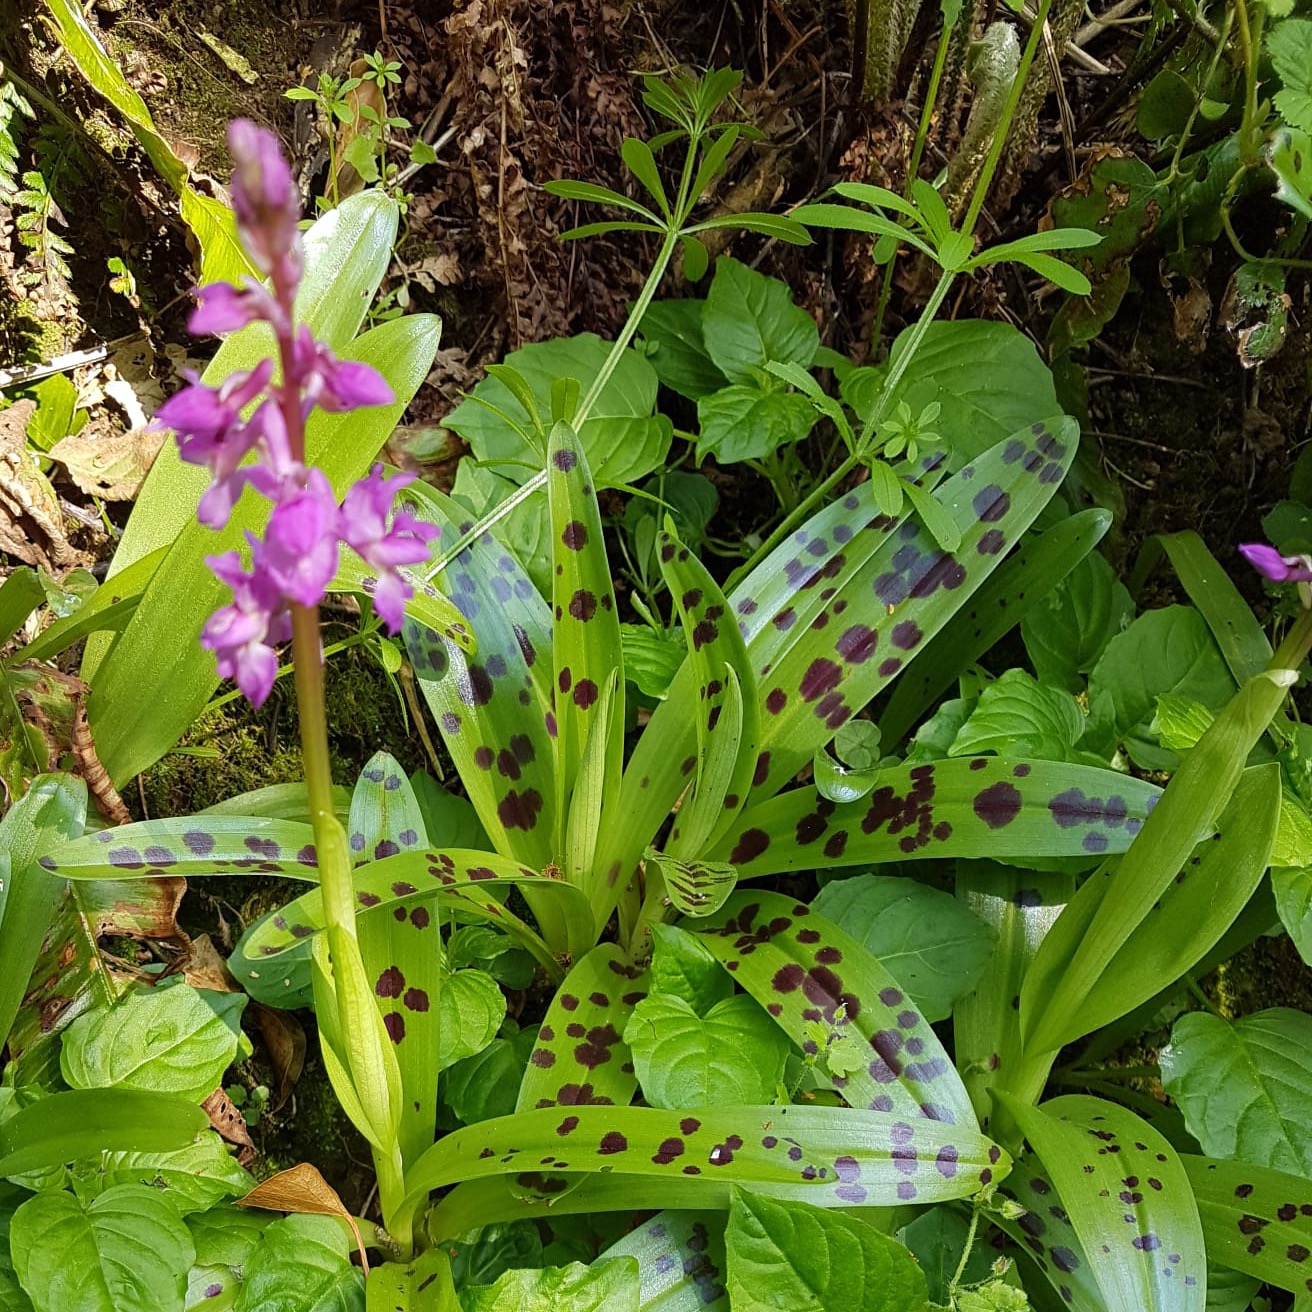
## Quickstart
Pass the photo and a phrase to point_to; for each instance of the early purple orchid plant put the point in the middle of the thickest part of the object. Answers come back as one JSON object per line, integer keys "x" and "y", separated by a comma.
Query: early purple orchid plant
{"x": 291, "y": 568}
{"x": 1281, "y": 569}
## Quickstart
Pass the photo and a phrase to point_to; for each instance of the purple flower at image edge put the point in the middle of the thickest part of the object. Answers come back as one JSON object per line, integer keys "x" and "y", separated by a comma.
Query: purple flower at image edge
{"x": 1272, "y": 565}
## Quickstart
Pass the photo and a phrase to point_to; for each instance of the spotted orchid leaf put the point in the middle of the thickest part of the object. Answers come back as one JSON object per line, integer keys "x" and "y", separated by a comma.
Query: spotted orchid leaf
{"x": 726, "y": 714}
{"x": 495, "y": 713}
{"x": 695, "y": 888}
{"x": 190, "y": 845}
{"x": 1209, "y": 891}
{"x": 977, "y": 807}
{"x": 1022, "y": 907}
{"x": 402, "y": 952}
{"x": 393, "y": 883}
{"x": 850, "y": 582}
{"x": 1046, "y": 1235}
{"x": 492, "y": 711}
{"x": 1039, "y": 563}
{"x": 830, "y": 671}
{"x": 680, "y": 1259}
{"x": 427, "y": 607}
{"x": 1128, "y": 1199}
{"x": 804, "y": 970}
{"x": 586, "y": 637}
{"x": 1185, "y": 817}
{"x": 580, "y": 1057}
{"x": 1255, "y": 1220}
{"x": 596, "y": 787}
{"x": 833, "y": 1157}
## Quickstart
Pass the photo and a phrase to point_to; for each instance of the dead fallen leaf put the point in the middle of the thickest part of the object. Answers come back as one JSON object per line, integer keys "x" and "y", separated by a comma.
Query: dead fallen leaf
{"x": 302, "y": 1189}
{"x": 31, "y": 522}
{"x": 111, "y": 466}
{"x": 284, "y": 1037}
{"x": 206, "y": 969}
{"x": 230, "y": 1124}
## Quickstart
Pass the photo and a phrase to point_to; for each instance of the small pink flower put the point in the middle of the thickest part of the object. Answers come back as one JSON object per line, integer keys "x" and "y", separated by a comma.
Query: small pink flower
{"x": 336, "y": 385}
{"x": 224, "y": 308}
{"x": 364, "y": 528}
{"x": 242, "y": 635}
{"x": 1272, "y": 565}
{"x": 299, "y": 552}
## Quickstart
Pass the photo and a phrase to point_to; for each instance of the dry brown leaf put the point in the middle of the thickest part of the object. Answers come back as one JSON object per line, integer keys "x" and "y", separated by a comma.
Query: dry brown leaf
{"x": 31, "y": 522}
{"x": 230, "y": 1124}
{"x": 112, "y": 466}
{"x": 206, "y": 969}
{"x": 302, "y": 1189}
{"x": 284, "y": 1037}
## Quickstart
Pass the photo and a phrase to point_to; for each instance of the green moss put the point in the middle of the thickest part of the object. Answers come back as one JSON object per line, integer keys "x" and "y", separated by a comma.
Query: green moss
{"x": 1269, "y": 973}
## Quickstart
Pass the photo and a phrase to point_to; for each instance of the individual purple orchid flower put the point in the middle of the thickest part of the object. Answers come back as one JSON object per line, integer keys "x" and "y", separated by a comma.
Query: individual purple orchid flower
{"x": 364, "y": 529}
{"x": 1272, "y": 565}
{"x": 294, "y": 563}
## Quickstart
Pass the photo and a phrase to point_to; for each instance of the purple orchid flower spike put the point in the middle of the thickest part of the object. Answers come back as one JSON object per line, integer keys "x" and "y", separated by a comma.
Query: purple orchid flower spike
{"x": 294, "y": 564}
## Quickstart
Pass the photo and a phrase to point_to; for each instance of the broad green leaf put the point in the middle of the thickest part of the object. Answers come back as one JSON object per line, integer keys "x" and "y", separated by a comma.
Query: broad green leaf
{"x": 487, "y": 1084}
{"x": 124, "y": 1251}
{"x": 1289, "y": 153}
{"x": 938, "y": 1238}
{"x": 680, "y": 1259}
{"x": 1107, "y": 1164}
{"x": 742, "y": 422}
{"x": 1292, "y": 886}
{"x": 224, "y": 1237}
{"x": 194, "y": 1178}
{"x": 1069, "y": 992}
{"x": 682, "y": 966}
{"x": 1179, "y": 722}
{"x": 1068, "y": 629}
{"x": 623, "y": 439}
{"x": 987, "y": 377}
{"x": 805, "y": 970}
{"x": 50, "y": 813}
{"x": 302, "y": 1264}
{"x": 981, "y": 807}
{"x": 1019, "y": 716}
{"x": 1163, "y": 651}
{"x": 20, "y": 595}
{"x": 471, "y": 1008}
{"x": 1256, "y": 1220}
{"x": 732, "y": 1053}
{"x": 174, "y": 1039}
{"x": 872, "y": 1158}
{"x": 1243, "y": 1086}
{"x": 347, "y": 251}
{"x": 134, "y": 715}
{"x": 931, "y": 944}
{"x": 651, "y": 660}
{"x": 790, "y": 1255}
{"x": 749, "y": 320}
{"x": 606, "y": 1286}
{"x": 1040, "y": 563}
{"x": 580, "y": 1056}
{"x": 65, "y": 1126}
{"x": 1185, "y": 816}
{"x": 676, "y": 349}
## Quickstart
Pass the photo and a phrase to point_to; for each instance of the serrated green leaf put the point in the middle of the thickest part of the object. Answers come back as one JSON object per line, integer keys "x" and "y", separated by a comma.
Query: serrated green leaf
{"x": 303, "y": 1263}
{"x": 676, "y": 348}
{"x": 741, "y": 422}
{"x": 194, "y": 1178}
{"x": 471, "y": 1008}
{"x": 601, "y": 1287}
{"x": 1018, "y": 716}
{"x": 683, "y": 967}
